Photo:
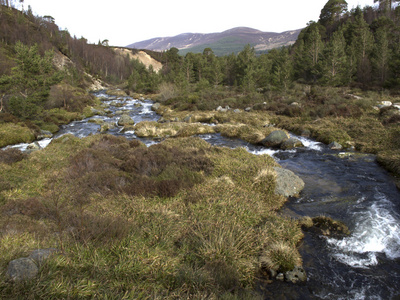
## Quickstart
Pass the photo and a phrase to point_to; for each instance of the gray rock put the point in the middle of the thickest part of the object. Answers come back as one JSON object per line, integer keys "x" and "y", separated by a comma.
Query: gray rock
{"x": 291, "y": 143}
{"x": 247, "y": 109}
{"x": 296, "y": 275}
{"x": 156, "y": 106}
{"x": 221, "y": 109}
{"x": 188, "y": 119}
{"x": 288, "y": 184}
{"x": 22, "y": 269}
{"x": 236, "y": 110}
{"x": 275, "y": 138}
{"x": 335, "y": 146}
{"x": 125, "y": 120}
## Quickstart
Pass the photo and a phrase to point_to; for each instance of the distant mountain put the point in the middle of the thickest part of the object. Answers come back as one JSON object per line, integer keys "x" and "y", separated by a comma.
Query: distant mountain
{"x": 226, "y": 42}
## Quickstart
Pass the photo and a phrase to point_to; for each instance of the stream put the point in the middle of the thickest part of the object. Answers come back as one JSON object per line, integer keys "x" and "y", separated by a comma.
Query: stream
{"x": 350, "y": 187}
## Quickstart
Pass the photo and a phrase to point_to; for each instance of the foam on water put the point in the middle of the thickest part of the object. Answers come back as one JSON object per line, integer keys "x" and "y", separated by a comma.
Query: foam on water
{"x": 261, "y": 151}
{"x": 146, "y": 108}
{"x": 377, "y": 231}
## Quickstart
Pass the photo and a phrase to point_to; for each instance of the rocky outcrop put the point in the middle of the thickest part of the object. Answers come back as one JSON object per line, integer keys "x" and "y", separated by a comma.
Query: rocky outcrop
{"x": 288, "y": 184}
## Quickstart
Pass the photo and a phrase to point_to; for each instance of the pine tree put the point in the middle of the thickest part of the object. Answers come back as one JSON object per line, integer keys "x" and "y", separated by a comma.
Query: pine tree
{"x": 335, "y": 60}
{"x": 30, "y": 81}
{"x": 381, "y": 56}
{"x": 282, "y": 70}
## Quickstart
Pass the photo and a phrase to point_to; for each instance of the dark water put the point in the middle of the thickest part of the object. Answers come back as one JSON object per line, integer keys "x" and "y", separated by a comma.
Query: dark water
{"x": 351, "y": 188}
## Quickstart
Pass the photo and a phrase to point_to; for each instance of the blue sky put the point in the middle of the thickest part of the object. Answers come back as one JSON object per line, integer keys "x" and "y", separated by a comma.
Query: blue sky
{"x": 123, "y": 22}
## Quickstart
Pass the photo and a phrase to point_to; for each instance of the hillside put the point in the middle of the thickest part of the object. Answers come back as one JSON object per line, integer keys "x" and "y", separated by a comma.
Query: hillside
{"x": 226, "y": 42}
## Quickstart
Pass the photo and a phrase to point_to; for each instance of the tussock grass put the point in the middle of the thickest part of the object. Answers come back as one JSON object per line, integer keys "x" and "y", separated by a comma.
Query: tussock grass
{"x": 181, "y": 219}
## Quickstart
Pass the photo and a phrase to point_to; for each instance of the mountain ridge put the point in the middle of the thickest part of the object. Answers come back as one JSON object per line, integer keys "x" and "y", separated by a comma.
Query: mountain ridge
{"x": 225, "y": 42}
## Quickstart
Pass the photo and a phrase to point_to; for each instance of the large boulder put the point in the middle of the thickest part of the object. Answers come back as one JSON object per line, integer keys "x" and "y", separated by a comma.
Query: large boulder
{"x": 288, "y": 184}
{"x": 275, "y": 138}
{"x": 125, "y": 120}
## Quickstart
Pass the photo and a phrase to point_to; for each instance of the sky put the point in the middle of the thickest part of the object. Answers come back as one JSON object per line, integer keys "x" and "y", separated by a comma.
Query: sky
{"x": 124, "y": 22}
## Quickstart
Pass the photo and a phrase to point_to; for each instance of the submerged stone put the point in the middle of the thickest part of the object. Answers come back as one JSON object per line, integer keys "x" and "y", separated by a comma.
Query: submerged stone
{"x": 288, "y": 184}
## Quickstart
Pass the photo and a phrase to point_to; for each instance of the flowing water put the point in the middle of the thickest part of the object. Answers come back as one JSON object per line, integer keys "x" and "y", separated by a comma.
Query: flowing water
{"x": 350, "y": 187}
